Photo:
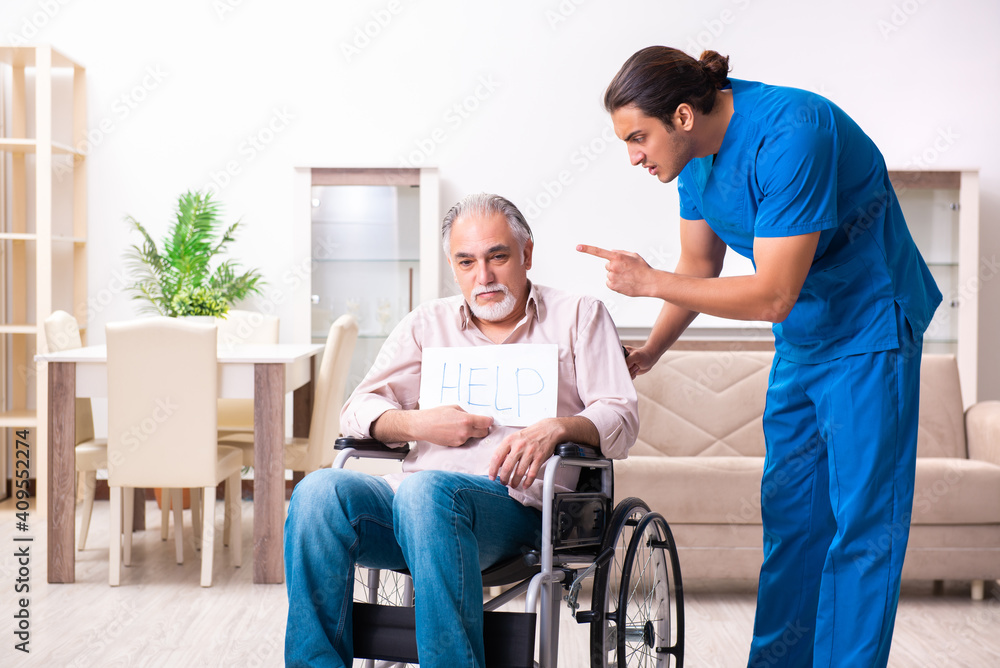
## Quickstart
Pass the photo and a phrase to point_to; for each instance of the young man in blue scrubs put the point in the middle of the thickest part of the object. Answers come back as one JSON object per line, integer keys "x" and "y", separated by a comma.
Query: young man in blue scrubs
{"x": 787, "y": 179}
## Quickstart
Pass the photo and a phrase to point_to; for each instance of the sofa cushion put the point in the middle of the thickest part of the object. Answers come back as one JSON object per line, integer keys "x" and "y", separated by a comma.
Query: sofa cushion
{"x": 947, "y": 491}
{"x": 941, "y": 432}
{"x": 694, "y": 490}
{"x": 956, "y": 491}
{"x": 703, "y": 403}
{"x": 711, "y": 403}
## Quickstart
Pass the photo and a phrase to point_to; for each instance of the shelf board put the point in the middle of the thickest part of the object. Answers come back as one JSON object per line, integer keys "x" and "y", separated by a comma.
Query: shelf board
{"x": 401, "y": 259}
{"x": 24, "y": 56}
{"x": 17, "y": 145}
{"x": 925, "y": 179}
{"x": 361, "y": 176}
{"x": 365, "y": 223}
{"x": 18, "y": 419}
{"x": 20, "y": 236}
{"x": 320, "y": 337}
{"x": 18, "y": 329}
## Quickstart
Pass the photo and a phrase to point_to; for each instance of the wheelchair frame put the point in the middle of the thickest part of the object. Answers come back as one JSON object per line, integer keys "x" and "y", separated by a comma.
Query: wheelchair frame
{"x": 597, "y": 548}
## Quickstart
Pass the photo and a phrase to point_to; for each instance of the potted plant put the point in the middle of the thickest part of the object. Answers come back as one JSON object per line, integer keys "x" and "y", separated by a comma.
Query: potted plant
{"x": 179, "y": 280}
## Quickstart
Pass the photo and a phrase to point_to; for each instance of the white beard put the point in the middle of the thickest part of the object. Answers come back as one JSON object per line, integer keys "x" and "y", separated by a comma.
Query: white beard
{"x": 494, "y": 311}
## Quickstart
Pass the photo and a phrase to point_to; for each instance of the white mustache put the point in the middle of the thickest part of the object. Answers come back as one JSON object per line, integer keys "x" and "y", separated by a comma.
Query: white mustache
{"x": 492, "y": 287}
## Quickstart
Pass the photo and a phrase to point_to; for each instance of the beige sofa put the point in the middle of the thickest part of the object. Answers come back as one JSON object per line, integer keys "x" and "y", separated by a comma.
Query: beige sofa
{"x": 700, "y": 454}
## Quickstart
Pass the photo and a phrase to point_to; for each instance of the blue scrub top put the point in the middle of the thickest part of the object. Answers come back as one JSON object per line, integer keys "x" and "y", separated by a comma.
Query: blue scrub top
{"x": 791, "y": 163}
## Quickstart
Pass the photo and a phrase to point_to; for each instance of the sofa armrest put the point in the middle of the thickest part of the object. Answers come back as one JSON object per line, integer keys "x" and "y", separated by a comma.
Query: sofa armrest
{"x": 982, "y": 428}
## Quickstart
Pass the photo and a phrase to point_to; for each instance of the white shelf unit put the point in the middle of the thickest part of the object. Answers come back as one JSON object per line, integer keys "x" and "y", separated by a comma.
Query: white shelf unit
{"x": 376, "y": 251}
{"x": 942, "y": 213}
{"x": 43, "y": 228}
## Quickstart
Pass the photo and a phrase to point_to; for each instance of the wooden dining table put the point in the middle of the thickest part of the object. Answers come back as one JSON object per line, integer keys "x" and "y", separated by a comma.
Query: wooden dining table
{"x": 263, "y": 372}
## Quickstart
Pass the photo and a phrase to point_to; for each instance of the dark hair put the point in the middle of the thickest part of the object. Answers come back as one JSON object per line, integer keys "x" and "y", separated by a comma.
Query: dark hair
{"x": 658, "y": 79}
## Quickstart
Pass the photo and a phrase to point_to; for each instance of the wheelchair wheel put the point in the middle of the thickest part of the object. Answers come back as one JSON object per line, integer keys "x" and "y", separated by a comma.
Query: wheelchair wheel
{"x": 607, "y": 581}
{"x": 382, "y": 587}
{"x": 638, "y": 609}
{"x": 651, "y": 602}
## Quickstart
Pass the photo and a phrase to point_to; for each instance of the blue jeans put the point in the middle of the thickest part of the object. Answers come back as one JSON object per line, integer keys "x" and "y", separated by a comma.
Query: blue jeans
{"x": 444, "y": 527}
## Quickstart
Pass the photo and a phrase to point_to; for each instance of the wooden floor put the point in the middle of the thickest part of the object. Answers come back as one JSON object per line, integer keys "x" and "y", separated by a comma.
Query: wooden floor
{"x": 160, "y": 616}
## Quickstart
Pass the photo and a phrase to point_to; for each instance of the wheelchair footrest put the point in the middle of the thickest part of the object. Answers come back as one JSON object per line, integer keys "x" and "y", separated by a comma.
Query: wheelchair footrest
{"x": 388, "y": 633}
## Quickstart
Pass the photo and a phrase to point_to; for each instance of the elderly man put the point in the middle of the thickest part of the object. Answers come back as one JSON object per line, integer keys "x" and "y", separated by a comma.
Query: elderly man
{"x": 468, "y": 496}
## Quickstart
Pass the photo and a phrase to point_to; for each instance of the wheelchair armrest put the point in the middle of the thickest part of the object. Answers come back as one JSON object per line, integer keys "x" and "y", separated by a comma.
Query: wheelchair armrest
{"x": 574, "y": 450}
{"x": 360, "y": 444}
{"x": 370, "y": 447}
{"x": 578, "y": 451}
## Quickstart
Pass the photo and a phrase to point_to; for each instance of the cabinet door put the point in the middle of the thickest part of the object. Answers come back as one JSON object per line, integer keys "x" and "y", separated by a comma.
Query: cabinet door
{"x": 932, "y": 216}
{"x": 942, "y": 212}
{"x": 366, "y": 261}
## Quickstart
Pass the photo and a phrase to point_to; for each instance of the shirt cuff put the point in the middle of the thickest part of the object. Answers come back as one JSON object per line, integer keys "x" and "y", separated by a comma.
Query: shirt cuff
{"x": 796, "y": 229}
{"x": 690, "y": 214}
{"x": 359, "y": 423}
{"x": 611, "y": 427}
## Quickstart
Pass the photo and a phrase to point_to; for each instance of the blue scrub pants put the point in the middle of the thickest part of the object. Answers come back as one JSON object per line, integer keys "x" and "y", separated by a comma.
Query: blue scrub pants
{"x": 836, "y": 500}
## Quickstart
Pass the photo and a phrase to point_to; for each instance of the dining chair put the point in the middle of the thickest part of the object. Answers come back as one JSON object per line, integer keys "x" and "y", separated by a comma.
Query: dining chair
{"x": 316, "y": 451}
{"x": 63, "y": 333}
{"x": 235, "y": 416}
{"x": 162, "y": 389}
{"x": 236, "y": 328}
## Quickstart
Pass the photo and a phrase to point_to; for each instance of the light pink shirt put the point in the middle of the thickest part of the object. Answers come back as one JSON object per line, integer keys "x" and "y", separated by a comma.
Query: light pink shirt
{"x": 594, "y": 381}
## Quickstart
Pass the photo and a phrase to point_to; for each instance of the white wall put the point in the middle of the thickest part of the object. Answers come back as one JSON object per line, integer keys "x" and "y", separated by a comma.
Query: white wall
{"x": 501, "y": 98}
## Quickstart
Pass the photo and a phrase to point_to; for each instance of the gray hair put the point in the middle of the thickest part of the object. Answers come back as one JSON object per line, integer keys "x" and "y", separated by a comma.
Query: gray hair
{"x": 485, "y": 204}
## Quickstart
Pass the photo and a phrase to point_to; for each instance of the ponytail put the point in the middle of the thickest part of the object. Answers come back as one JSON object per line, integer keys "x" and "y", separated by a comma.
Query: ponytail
{"x": 717, "y": 68}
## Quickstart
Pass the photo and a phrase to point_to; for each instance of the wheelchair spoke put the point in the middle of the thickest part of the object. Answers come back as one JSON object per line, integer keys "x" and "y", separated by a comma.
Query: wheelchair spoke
{"x": 640, "y": 632}
{"x": 383, "y": 587}
{"x": 646, "y": 598}
{"x": 609, "y": 618}
{"x": 637, "y": 618}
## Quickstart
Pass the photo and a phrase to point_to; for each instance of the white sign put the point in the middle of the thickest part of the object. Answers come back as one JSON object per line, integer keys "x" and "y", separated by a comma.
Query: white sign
{"x": 516, "y": 384}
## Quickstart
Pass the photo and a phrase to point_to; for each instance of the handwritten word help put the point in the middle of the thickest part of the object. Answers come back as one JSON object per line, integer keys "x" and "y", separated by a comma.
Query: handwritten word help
{"x": 516, "y": 384}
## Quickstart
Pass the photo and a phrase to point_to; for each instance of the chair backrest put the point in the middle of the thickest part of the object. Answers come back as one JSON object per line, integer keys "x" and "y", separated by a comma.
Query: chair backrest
{"x": 63, "y": 333}
{"x": 324, "y": 428}
{"x": 238, "y": 327}
{"x": 162, "y": 388}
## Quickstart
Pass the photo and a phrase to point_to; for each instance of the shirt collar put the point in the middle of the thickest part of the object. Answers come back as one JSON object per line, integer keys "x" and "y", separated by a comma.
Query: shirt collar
{"x": 745, "y": 96}
{"x": 534, "y": 308}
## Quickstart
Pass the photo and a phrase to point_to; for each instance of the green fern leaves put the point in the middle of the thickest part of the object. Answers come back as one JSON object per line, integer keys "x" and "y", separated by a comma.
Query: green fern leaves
{"x": 179, "y": 279}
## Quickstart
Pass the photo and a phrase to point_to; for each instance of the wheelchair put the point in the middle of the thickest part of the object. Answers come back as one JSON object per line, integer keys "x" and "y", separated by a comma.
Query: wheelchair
{"x": 636, "y": 614}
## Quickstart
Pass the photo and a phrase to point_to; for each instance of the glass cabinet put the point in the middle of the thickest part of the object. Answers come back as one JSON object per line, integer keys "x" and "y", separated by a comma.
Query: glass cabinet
{"x": 366, "y": 257}
{"x": 942, "y": 213}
